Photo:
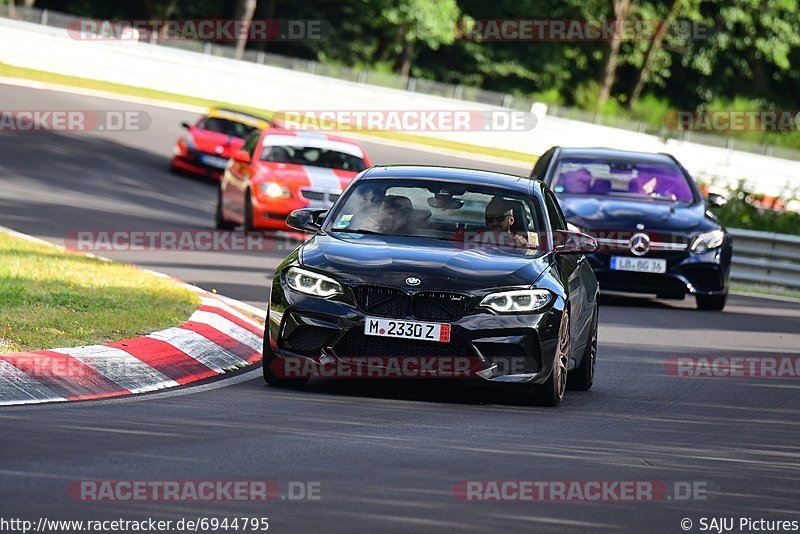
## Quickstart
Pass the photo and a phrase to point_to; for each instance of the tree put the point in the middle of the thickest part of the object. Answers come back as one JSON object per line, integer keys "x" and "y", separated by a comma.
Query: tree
{"x": 246, "y": 11}
{"x": 621, "y": 10}
{"x": 430, "y": 22}
{"x": 652, "y": 49}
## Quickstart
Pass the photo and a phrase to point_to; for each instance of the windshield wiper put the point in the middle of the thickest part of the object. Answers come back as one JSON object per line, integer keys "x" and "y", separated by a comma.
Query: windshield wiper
{"x": 357, "y": 231}
{"x": 373, "y": 232}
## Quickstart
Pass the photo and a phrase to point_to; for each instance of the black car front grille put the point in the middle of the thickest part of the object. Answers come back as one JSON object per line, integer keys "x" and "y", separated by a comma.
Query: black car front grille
{"x": 382, "y": 301}
{"x": 358, "y": 345}
{"x": 308, "y": 339}
{"x": 669, "y": 246}
{"x": 425, "y": 306}
{"x": 438, "y": 306}
{"x": 308, "y": 194}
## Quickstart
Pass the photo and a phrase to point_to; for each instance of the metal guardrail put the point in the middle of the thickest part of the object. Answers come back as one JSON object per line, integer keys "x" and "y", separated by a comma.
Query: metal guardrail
{"x": 766, "y": 258}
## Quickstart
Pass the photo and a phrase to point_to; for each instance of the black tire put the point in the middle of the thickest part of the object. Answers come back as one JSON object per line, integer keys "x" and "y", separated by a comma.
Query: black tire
{"x": 220, "y": 222}
{"x": 248, "y": 213}
{"x": 711, "y": 302}
{"x": 551, "y": 392}
{"x": 267, "y": 359}
{"x": 582, "y": 377}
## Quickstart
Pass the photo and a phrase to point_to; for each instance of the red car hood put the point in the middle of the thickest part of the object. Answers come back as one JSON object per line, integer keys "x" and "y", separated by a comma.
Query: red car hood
{"x": 216, "y": 143}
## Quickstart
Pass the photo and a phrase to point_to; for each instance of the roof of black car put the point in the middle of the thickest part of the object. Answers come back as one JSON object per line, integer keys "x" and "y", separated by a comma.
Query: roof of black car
{"x": 469, "y": 176}
{"x": 600, "y": 152}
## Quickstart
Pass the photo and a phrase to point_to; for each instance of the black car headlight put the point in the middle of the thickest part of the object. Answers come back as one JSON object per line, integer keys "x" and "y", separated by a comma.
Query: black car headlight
{"x": 517, "y": 301}
{"x": 312, "y": 283}
{"x": 708, "y": 241}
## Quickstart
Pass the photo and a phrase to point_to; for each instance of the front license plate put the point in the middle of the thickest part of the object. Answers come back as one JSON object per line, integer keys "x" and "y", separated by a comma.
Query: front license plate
{"x": 214, "y": 161}
{"x": 407, "y": 329}
{"x": 639, "y": 265}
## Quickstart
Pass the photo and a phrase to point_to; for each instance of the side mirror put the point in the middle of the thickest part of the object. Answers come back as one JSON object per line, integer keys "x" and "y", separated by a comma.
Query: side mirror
{"x": 306, "y": 220}
{"x": 716, "y": 200}
{"x": 569, "y": 242}
{"x": 186, "y": 125}
{"x": 241, "y": 156}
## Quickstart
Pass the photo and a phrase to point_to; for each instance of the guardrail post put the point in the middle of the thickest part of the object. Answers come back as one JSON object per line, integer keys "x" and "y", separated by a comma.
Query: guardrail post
{"x": 207, "y": 48}
{"x": 507, "y": 99}
{"x": 458, "y": 92}
{"x": 412, "y": 84}
{"x": 260, "y": 56}
{"x": 43, "y": 19}
{"x": 362, "y": 76}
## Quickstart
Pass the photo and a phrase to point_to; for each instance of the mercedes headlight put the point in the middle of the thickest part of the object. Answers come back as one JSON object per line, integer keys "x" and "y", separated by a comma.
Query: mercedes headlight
{"x": 312, "y": 283}
{"x": 707, "y": 241}
{"x": 273, "y": 190}
{"x": 520, "y": 301}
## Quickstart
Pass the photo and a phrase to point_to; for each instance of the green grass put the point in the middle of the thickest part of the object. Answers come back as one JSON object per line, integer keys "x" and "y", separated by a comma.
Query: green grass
{"x": 85, "y": 83}
{"x": 772, "y": 291}
{"x": 53, "y": 298}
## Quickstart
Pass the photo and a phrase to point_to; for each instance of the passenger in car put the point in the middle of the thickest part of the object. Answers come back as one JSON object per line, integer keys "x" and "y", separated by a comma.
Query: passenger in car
{"x": 499, "y": 217}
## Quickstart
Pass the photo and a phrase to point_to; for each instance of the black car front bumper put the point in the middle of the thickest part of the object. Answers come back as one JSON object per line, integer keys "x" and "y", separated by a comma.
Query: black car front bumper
{"x": 687, "y": 273}
{"x": 327, "y": 333}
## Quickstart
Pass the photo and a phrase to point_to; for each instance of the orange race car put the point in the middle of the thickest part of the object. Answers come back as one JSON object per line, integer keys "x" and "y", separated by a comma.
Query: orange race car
{"x": 279, "y": 171}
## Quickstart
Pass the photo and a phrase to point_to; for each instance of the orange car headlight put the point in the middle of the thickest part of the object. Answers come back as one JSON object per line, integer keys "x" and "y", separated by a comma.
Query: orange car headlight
{"x": 273, "y": 190}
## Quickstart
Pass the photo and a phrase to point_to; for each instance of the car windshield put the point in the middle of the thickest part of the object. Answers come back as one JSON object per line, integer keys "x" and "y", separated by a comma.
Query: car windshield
{"x": 599, "y": 177}
{"x": 437, "y": 210}
{"x": 314, "y": 157}
{"x": 226, "y": 127}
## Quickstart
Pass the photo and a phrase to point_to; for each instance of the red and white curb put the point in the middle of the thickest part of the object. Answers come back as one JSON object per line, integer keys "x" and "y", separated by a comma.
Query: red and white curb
{"x": 217, "y": 338}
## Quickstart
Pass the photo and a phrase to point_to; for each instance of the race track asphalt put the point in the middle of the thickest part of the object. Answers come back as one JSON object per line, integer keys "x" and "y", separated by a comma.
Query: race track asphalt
{"x": 387, "y": 454}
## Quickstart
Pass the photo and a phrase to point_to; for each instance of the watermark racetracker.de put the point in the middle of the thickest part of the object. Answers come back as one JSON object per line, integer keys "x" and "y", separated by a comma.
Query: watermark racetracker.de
{"x": 579, "y": 491}
{"x": 779, "y": 120}
{"x": 762, "y": 367}
{"x": 216, "y": 30}
{"x": 100, "y": 241}
{"x": 163, "y": 491}
{"x": 577, "y": 30}
{"x": 406, "y": 120}
{"x": 41, "y": 120}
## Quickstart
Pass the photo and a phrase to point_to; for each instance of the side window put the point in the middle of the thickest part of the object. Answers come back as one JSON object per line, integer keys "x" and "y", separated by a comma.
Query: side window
{"x": 252, "y": 142}
{"x": 557, "y": 221}
{"x": 542, "y": 164}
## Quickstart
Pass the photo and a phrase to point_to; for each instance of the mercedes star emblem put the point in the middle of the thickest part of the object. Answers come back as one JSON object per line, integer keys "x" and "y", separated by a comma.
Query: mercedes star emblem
{"x": 640, "y": 244}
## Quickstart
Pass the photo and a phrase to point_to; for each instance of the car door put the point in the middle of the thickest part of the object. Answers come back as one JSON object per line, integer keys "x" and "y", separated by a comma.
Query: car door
{"x": 572, "y": 268}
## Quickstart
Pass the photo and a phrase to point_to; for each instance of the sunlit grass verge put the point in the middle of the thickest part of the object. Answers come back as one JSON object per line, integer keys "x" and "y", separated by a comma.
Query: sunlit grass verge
{"x": 85, "y": 83}
{"x": 53, "y": 298}
{"x": 760, "y": 289}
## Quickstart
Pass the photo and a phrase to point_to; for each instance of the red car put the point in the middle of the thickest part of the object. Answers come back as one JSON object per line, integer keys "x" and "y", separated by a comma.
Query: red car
{"x": 279, "y": 171}
{"x": 205, "y": 149}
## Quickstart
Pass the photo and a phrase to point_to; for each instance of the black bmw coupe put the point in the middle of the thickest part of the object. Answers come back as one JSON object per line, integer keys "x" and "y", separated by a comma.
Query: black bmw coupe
{"x": 655, "y": 234}
{"x": 471, "y": 270}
